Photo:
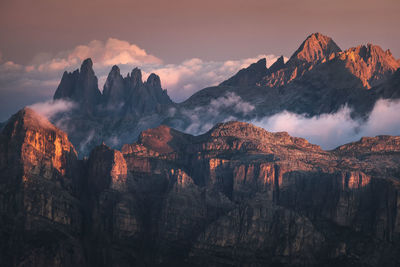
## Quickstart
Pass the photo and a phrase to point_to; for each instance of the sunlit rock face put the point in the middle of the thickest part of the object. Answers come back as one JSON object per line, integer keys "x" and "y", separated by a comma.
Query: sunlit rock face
{"x": 370, "y": 64}
{"x": 316, "y": 49}
{"x": 38, "y": 207}
{"x": 234, "y": 195}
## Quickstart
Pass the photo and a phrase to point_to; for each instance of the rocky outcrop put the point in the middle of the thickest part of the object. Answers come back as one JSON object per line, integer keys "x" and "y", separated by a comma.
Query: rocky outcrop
{"x": 40, "y": 213}
{"x": 316, "y": 49}
{"x": 248, "y": 76}
{"x": 148, "y": 97}
{"x": 80, "y": 86}
{"x": 114, "y": 92}
{"x": 128, "y": 95}
{"x": 370, "y": 64}
{"x": 131, "y": 96}
{"x": 126, "y": 107}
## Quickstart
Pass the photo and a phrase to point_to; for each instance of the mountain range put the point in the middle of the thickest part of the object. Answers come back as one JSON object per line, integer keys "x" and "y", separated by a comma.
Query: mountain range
{"x": 130, "y": 178}
{"x": 236, "y": 195}
{"x": 319, "y": 78}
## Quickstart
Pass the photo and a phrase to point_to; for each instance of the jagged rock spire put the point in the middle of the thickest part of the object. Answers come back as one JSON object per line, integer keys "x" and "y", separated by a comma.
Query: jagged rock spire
{"x": 80, "y": 86}
{"x": 278, "y": 64}
{"x": 114, "y": 88}
{"x": 248, "y": 76}
{"x": 154, "y": 81}
{"x": 314, "y": 49}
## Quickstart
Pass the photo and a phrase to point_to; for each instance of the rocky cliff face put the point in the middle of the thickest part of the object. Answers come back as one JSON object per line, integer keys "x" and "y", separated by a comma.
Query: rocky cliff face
{"x": 316, "y": 49}
{"x": 236, "y": 195}
{"x": 80, "y": 86}
{"x": 133, "y": 97}
{"x": 370, "y": 64}
{"x": 250, "y": 75}
{"x": 128, "y": 94}
{"x": 40, "y": 215}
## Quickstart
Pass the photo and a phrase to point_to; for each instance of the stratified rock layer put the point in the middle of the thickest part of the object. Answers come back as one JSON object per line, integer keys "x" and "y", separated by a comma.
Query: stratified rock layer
{"x": 236, "y": 195}
{"x": 41, "y": 219}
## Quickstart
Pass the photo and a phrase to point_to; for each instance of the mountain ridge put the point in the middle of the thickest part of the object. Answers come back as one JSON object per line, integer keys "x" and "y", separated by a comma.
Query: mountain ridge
{"x": 318, "y": 78}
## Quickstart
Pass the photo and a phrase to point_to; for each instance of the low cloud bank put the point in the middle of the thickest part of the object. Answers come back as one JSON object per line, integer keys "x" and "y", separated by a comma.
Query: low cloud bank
{"x": 327, "y": 130}
{"x": 332, "y": 130}
{"x": 204, "y": 118}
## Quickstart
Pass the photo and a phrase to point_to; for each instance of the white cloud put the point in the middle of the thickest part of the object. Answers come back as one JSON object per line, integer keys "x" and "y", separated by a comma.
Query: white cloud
{"x": 182, "y": 80}
{"x": 51, "y": 108}
{"x": 332, "y": 130}
{"x": 327, "y": 130}
{"x": 108, "y": 53}
{"x": 205, "y": 117}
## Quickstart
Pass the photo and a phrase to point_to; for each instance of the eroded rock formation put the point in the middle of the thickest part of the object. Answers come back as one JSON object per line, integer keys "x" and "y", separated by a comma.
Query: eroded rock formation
{"x": 236, "y": 195}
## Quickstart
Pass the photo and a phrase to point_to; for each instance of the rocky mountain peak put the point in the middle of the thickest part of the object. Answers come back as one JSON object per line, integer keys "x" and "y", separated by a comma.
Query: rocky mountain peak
{"x": 136, "y": 77}
{"x": 277, "y": 65}
{"x": 154, "y": 81}
{"x": 164, "y": 139}
{"x": 370, "y": 63}
{"x": 314, "y": 49}
{"x": 114, "y": 88}
{"x": 27, "y": 118}
{"x": 115, "y": 70}
{"x": 248, "y": 131}
{"x": 32, "y": 137}
{"x": 248, "y": 76}
{"x": 80, "y": 86}
{"x": 87, "y": 65}
{"x": 259, "y": 65}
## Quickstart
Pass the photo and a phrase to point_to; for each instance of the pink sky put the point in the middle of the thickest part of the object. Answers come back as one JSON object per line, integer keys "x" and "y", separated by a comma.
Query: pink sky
{"x": 209, "y": 29}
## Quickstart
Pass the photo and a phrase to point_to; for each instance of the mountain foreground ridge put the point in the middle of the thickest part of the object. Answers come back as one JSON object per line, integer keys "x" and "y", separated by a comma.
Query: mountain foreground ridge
{"x": 236, "y": 193}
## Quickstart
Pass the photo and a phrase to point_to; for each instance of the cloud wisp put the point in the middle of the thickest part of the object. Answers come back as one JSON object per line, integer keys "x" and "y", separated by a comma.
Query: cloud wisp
{"x": 203, "y": 118}
{"x": 52, "y": 108}
{"x": 332, "y": 130}
{"x": 108, "y": 53}
{"x": 327, "y": 130}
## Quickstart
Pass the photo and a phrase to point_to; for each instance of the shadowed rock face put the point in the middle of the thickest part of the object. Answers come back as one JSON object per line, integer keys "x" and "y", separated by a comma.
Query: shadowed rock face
{"x": 80, "y": 86}
{"x": 131, "y": 97}
{"x": 234, "y": 195}
{"x": 249, "y": 76}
